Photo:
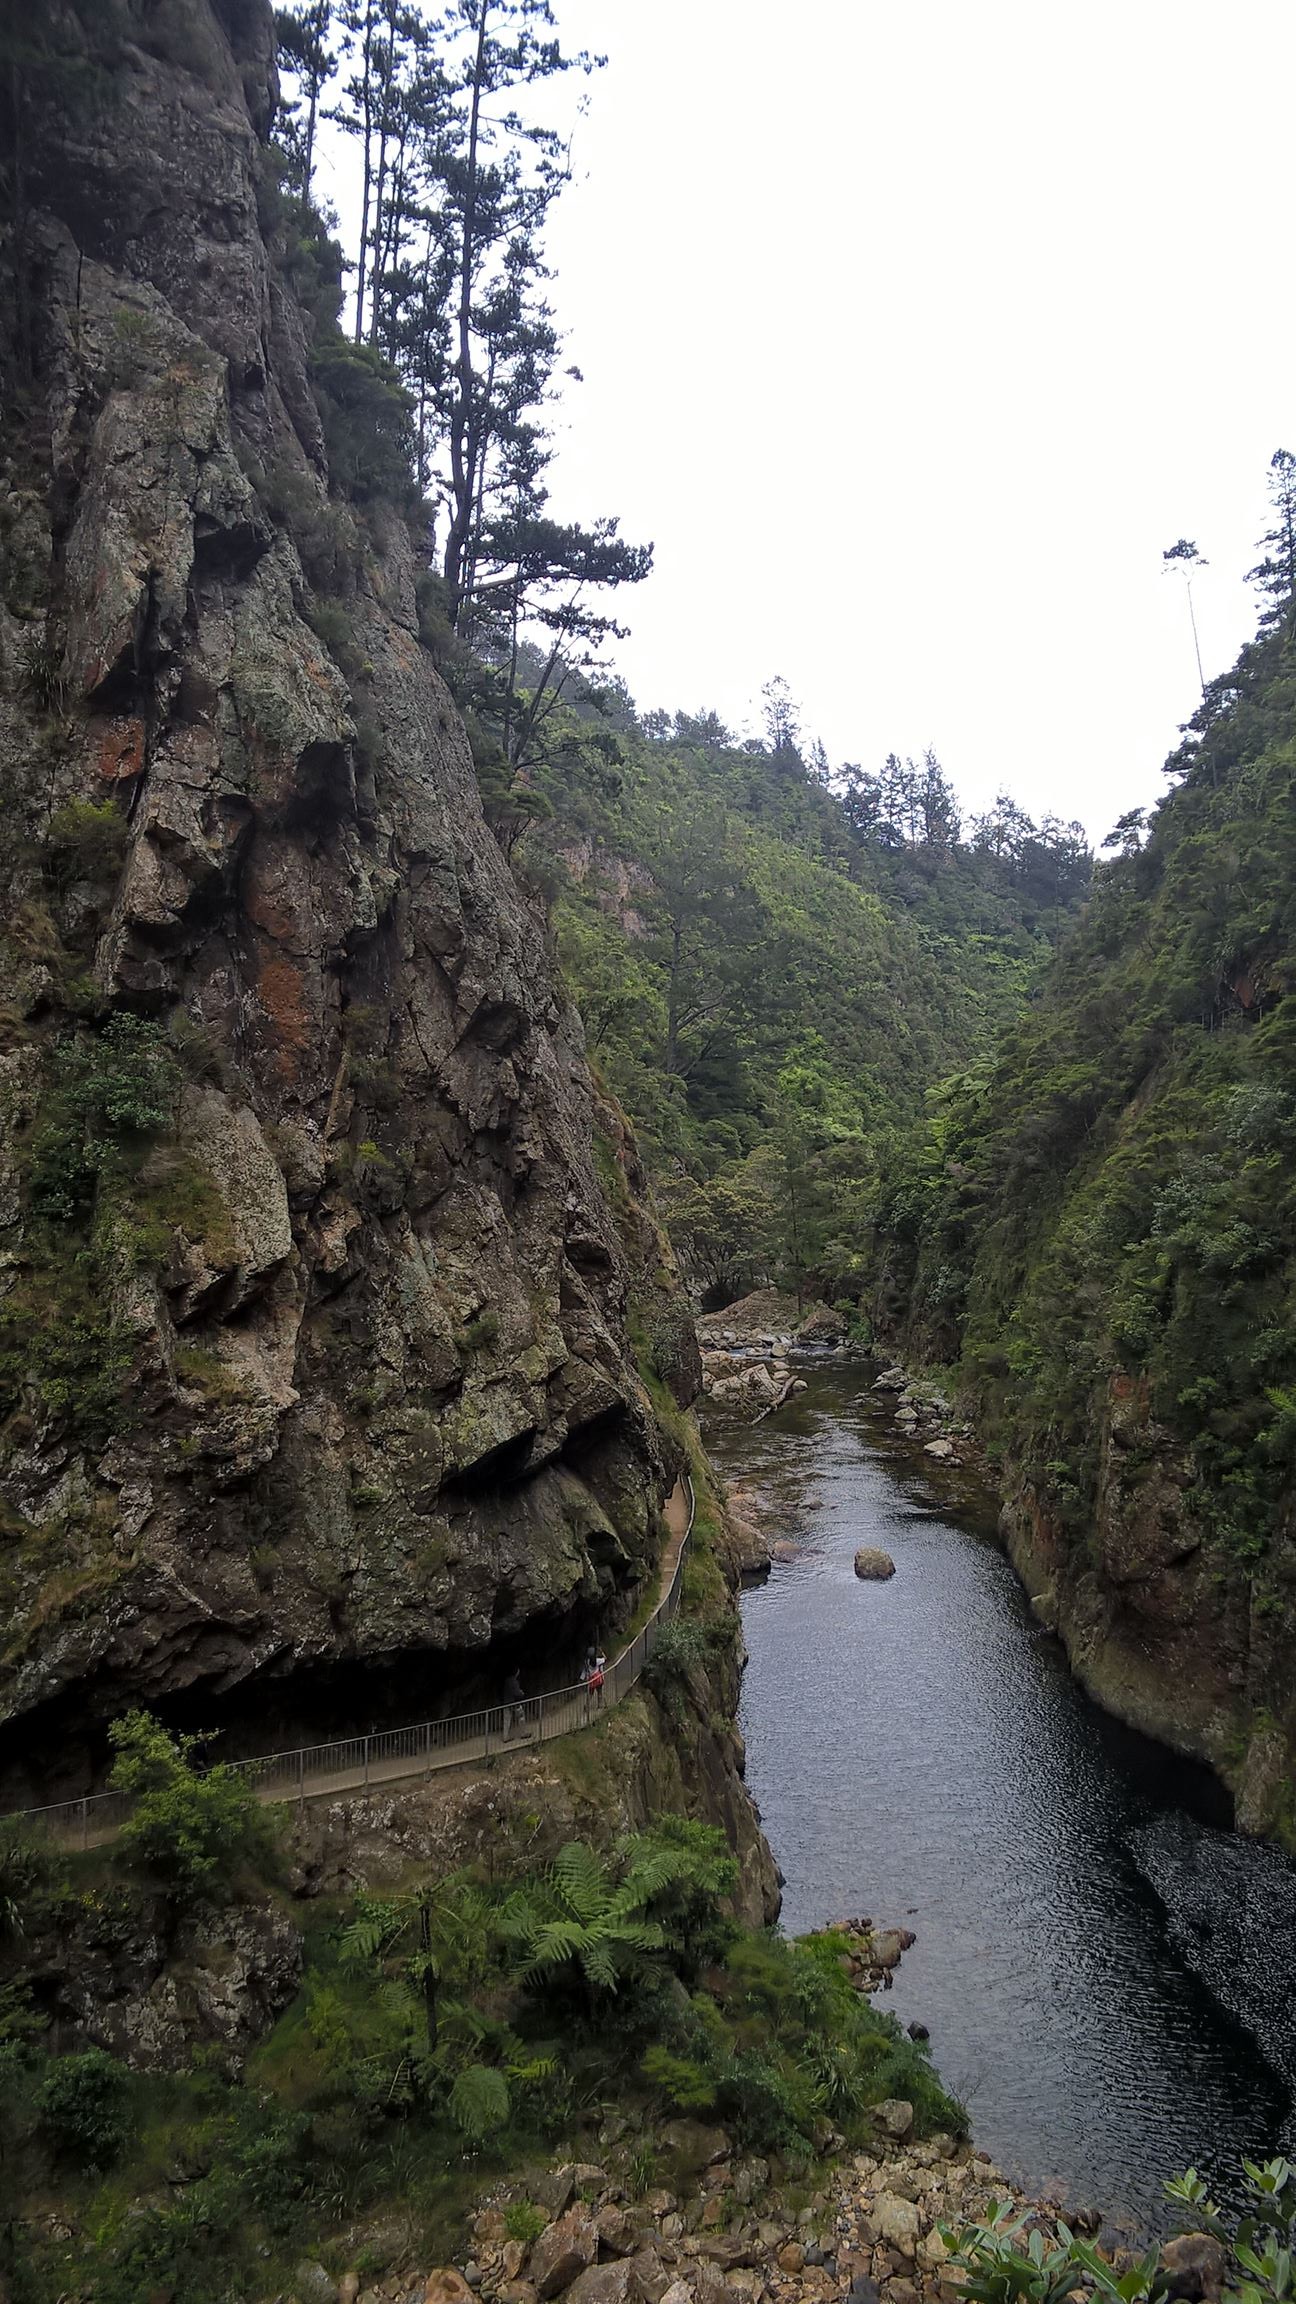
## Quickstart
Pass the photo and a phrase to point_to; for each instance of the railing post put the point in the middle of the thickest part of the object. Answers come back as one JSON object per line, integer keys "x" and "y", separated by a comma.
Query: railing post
{"x": 301, "y": 1777}
{"x": 85, "y": 1824}
{"x": 366, "y": 1763}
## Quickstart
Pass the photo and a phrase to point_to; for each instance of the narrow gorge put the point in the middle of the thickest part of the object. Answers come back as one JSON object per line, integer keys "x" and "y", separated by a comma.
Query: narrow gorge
{"x": 483, "y": 1160}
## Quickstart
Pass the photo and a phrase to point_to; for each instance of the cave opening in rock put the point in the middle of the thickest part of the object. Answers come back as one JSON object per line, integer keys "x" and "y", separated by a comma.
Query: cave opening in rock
{"x": 60, "y": 1749}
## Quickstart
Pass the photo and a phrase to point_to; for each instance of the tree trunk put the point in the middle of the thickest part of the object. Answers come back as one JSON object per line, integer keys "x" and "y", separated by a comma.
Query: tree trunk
{"x": 380, "y": 177}
{"x": 366, "y": 115}
{"x": 463, "y": 448}
{"x": 672, "y": 1014}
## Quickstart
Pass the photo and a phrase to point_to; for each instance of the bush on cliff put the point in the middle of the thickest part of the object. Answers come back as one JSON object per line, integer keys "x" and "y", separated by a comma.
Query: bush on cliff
{"x": 186, "y": 1826}
{"x": 444, "y": 2030}
{"x": 783, "y": 2043}
{"x": 83, "y": 2108}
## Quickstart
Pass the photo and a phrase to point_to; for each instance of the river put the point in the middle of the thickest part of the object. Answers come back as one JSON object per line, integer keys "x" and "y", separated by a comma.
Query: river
{"x": 1105, "y": 1969}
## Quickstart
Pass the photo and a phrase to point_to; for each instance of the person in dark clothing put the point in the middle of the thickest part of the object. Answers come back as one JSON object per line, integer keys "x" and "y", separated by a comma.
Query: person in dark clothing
{"x": 515, "y": 1701}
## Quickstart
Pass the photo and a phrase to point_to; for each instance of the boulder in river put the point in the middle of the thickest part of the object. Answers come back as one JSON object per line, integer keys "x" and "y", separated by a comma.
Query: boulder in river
{"x": 749, "y": 1545}
{"x": 887, "y": 1944}
{"x": 873, "y": 1565}
{"x": 822, "y": 1325}
{"x": 749, "y": 1387}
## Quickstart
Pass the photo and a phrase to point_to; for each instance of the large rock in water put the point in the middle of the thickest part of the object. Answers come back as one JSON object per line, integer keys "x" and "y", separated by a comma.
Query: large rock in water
{"x": 750, "y": 1387}
{"x": 873, "y": 1565}
{"x": 354, "y": 1379}
{"x": 822, "y": 1325}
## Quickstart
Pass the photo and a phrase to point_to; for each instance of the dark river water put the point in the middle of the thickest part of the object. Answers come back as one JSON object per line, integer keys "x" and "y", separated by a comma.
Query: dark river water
{"x": 1106, "y": 1971}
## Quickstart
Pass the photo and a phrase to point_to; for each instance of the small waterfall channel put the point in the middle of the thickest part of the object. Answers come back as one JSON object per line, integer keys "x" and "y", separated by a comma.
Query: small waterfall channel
{"x": 1105, "y": 1968}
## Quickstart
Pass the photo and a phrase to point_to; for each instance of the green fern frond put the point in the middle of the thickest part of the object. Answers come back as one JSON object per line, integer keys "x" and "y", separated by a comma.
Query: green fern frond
{"x": 597, "y": 1961}
{"x": 580, "y": 1879}
{"x": 479, "y": 2101}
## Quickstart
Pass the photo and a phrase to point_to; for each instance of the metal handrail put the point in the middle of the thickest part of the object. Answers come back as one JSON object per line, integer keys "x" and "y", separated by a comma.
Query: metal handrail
{"x": 393, "y": 1755}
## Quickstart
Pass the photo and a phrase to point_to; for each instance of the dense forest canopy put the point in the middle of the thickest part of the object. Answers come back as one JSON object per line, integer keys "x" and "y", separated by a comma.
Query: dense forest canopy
{"x": 770, "y": 971}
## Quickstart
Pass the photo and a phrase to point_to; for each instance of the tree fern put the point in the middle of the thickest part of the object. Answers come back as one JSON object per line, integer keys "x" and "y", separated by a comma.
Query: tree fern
{"x": 479, "y": 2101}
{"x": 581, "y": 1879}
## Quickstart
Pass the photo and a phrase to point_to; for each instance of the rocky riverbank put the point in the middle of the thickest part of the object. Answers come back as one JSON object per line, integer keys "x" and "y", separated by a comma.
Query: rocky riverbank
{"x": 752, "y": 1354}
{"x": 862, "y": 2227}
{"x": 746, "y": 1350}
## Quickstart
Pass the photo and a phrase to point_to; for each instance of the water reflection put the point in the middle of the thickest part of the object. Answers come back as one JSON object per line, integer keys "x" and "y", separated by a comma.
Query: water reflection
{"x": 1106, "y": 1974}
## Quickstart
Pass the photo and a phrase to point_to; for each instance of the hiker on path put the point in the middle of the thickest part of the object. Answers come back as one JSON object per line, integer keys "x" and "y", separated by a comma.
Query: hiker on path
{"x": 515, "y": 1702}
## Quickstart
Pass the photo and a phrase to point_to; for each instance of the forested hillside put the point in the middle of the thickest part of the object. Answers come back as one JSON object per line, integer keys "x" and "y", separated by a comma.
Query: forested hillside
{"x": 1097, "y": 1228}
{"x": 772, "y": 960}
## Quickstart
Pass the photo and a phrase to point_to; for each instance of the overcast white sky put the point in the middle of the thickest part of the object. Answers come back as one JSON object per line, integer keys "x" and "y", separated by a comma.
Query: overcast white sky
{"x": 912, "y": 334}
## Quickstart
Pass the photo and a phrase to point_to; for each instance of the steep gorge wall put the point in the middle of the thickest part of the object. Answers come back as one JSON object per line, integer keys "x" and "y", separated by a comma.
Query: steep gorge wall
{"x": 1098, "y": 1234}
{"x": 314, "y": 1343}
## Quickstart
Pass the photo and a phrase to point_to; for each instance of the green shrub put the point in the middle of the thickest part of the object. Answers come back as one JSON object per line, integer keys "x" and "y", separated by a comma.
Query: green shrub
{"x": 333, "y": 627}
{"x": 690, "y": 1872}
{"x": 787, "y": 2043}
{"x": 1020, "y": 2258}
{"x": 680, "y": 1648}
{"x": 686, "y": 2085}
{"x": 642, "y": 2169}
{"x": 365, "y": 412}
{"x": 83, "y": 2109}
{"x": 42, "y": 665}
{"x": 106, "y": 1089}
{"x": 86, "y": 840}
{"x": 174, "y": 1193}
{"x": 524, "y": 2221}
{"x": 205, "y": 1372}
{"x": 185, "y": 1827}
{"x": 59, "y": 1341}
{"x": 592, "y": 1925}
{"x": 25, "y": 1868}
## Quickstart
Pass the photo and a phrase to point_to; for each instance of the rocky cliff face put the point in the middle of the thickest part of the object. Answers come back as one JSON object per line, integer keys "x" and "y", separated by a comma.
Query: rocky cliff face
{"x": 314, "y": 1342}
{"x": 1154, "y": 1628}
